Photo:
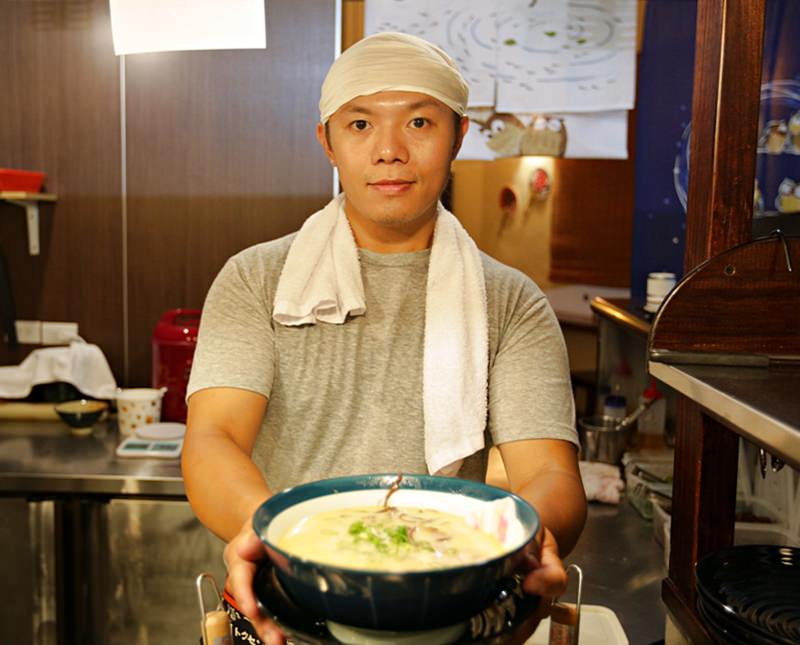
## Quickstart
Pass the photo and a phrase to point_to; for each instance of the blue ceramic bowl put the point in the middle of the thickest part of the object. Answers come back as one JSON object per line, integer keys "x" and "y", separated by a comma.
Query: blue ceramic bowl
{"x": 390, "y": 600}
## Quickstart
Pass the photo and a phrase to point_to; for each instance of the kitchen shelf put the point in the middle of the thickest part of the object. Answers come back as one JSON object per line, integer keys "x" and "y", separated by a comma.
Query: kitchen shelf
{"x": 757, "y": 403}
{"x": 30, "y": 202}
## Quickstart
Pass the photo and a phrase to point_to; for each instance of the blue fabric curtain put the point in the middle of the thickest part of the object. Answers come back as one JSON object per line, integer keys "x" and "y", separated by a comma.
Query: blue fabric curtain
{"x": 664, "y": 102}
{"x": 663, "y": 132}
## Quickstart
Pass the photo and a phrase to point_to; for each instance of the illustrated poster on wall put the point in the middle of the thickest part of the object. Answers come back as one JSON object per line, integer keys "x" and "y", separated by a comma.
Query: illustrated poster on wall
{"x": 526, "y": 62}
{"x": 494, "y": 134}
{"x": 556, "y": 56}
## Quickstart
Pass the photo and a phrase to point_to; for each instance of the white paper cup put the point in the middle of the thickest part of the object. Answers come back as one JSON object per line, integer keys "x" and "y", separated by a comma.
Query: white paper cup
{"x": 137, "y": 407}
{"x": 658, "y": 287}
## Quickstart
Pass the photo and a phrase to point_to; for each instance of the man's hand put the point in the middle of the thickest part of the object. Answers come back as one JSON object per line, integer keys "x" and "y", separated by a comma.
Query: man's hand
{"x": 547, "y": 576}
{"x": 242, "y": 556}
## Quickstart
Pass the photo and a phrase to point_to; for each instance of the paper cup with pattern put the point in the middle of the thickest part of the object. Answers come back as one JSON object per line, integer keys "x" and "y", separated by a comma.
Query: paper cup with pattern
{"x": 137, "y": 407}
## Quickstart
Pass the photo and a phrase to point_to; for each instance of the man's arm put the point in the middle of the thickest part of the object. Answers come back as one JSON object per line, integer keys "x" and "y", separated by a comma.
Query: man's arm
{"x": 222, "y": 483}
{"x": 225, "y": 487}
{"x": 545, "y": 473}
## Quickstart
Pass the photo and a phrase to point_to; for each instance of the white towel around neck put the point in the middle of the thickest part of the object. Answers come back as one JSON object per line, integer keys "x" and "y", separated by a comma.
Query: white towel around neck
{"x": 321, "y": 283}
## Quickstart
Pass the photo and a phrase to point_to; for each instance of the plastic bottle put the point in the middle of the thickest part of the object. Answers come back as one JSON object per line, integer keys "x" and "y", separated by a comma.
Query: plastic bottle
{"x": 614, "y": 405}
{"x": 651, "y": 423}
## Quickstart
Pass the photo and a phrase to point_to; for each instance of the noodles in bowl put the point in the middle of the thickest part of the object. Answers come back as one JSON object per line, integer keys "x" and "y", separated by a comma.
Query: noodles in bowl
{"x": 432, "y": 558}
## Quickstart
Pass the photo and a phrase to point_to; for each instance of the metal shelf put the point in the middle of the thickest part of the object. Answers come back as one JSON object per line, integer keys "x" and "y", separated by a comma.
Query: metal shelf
{"x": 30, "y": 202}
{"x": 758, "y": 403}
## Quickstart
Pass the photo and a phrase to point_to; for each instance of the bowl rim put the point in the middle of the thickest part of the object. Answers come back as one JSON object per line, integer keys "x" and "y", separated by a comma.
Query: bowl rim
{"x": 96, "y": 406}
{"x": 350, "y": 483}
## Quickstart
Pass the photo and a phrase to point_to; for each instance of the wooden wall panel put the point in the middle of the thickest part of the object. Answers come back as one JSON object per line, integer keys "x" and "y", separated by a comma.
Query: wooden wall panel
{"x": 593, "y": 203}
{"x": 60, "y": 114}
{"x": 221, "y": 154}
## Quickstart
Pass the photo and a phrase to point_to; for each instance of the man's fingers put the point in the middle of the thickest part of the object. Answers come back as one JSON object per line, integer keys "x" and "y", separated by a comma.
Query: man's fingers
{"x": 547, "y": 575}
{"x": 250, "y": 547}
{"x": 549, "y": 581}
{"x": 240, "y": 580}
{"x": 241, "y": 557}
{"x": 269, "y": 632}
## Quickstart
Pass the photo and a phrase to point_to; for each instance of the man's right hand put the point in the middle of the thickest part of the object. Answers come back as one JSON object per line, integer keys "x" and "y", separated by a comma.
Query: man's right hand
{"x": 242, "y": 557}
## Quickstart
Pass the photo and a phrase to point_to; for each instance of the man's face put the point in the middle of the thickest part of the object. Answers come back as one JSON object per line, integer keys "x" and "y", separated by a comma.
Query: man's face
{"x": 393, "y": 151}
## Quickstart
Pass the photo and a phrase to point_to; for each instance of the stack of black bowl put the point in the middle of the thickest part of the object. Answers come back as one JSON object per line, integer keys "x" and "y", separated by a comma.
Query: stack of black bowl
{"x": 751, "y": 594}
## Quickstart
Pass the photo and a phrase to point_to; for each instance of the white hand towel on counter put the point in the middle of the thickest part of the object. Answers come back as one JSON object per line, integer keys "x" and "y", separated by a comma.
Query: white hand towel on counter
{"x": 602, "y": 482}
{"x": 321, "y": 283}
{"x": 82, "y": 365}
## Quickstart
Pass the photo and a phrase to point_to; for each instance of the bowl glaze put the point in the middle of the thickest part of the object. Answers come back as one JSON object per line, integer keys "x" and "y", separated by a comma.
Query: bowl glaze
{"x": 381, "y": 599}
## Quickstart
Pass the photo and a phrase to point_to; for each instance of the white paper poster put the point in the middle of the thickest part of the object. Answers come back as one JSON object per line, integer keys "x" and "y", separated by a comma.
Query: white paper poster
{"x": 576, "y": 56}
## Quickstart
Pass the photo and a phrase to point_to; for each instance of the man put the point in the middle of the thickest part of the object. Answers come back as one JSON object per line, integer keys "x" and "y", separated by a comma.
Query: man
{"x": 378, "y": 338}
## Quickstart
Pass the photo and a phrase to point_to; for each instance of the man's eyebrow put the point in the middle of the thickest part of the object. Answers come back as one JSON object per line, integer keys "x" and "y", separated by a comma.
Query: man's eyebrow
{"x": 423, "y": 103}
{"x": 355, "y": 109}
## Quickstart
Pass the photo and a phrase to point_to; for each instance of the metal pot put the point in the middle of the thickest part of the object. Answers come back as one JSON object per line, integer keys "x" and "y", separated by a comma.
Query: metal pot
{"x": 603, "y": 439}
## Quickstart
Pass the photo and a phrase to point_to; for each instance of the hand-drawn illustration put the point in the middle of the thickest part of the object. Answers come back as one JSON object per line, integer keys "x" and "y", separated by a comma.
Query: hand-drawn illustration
{"x": 574, "y": 56}
{"x": 511, "y": 135}
{"x": 788, "y": 199}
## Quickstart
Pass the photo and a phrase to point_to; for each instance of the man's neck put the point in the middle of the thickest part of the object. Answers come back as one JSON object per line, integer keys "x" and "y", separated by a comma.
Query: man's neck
{"x": 414, "y": 236}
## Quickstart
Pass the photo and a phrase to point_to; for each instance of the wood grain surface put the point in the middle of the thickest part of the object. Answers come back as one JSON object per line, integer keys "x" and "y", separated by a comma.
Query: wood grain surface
{"x": 220, "y": 155}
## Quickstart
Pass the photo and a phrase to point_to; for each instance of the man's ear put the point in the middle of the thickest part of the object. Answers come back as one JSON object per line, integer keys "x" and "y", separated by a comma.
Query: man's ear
{"x": 322, "y": 137}
{"x": 461, "y": 132}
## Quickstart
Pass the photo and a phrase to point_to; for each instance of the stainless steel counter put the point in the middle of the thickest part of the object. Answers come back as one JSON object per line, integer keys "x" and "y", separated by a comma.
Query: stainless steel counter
{"x": 42, "y": 457}
{"x": 622, "y": 567}
{"x": 622, "y": 564}
{"x": 758, "y": 403}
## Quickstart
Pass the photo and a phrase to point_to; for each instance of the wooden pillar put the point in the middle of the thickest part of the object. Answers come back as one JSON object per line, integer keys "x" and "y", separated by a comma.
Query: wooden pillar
{"x": 725, "y": 106}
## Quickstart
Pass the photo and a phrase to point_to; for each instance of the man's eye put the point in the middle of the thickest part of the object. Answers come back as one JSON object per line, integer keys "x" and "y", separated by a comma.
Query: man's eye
{"x": 419, "y": 122}
{"x": 360, "y": 124}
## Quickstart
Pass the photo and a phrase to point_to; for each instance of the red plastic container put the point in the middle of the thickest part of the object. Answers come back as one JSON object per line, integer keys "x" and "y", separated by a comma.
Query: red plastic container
{"x": 26, "y": 181}
{"x": 174, "y": 341}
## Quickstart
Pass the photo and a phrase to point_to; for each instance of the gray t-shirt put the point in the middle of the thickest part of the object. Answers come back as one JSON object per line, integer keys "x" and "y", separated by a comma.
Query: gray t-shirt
{"x": 347, "y": 399}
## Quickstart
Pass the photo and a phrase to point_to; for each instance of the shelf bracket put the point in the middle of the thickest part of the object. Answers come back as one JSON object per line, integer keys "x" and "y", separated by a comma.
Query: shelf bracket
{"x": 32, "y": 216}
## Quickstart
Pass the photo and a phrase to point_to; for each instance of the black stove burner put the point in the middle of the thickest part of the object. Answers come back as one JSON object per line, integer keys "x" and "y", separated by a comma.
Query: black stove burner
{"x": 507, "y": 618}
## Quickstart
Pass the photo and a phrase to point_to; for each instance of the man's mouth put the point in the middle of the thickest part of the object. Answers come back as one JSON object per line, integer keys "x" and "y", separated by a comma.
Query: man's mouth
{"x": 391, "y": 186}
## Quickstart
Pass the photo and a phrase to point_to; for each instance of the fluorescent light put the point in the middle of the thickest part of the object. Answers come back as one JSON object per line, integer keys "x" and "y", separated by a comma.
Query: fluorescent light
{"x": 178, "y": 25}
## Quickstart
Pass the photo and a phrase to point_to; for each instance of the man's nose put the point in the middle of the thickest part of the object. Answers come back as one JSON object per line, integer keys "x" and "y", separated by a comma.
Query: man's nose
{"x": 389, "y": 147}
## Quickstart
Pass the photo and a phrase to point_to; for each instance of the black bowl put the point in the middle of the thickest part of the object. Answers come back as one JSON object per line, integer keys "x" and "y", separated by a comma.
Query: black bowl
{"x": 81, "y": 415}
{"x": 390, "y": 600}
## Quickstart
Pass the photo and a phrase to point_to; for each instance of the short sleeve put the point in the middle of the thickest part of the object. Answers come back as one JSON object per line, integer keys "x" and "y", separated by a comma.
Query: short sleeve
{"x": 530, "y": 392}
{"x": 235, "y": 344}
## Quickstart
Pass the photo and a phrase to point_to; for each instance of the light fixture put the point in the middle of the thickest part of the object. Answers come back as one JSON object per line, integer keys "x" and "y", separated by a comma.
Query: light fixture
{"x": 140, "y": 26}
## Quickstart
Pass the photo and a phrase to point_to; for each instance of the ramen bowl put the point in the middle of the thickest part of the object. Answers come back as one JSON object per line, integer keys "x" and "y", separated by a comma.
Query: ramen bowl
{"x": 394, "y": 600}
{"x": 81, "y": 415}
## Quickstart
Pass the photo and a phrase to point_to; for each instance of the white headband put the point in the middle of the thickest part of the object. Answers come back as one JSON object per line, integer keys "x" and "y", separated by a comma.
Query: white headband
{"x": 393, "y": 61}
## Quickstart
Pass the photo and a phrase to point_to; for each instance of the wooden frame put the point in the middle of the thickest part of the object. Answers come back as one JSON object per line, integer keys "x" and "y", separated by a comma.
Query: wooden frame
{"x": 727, "y": 72}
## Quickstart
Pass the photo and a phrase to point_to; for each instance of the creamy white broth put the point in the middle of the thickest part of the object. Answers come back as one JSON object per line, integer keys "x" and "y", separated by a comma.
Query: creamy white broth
{"x": 392, "y": 539}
